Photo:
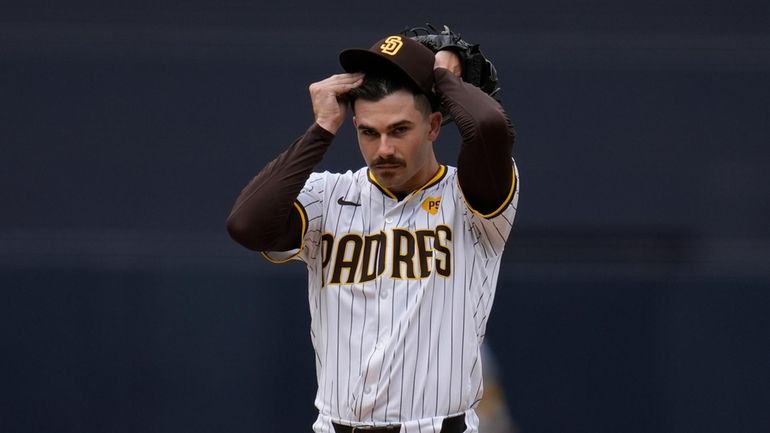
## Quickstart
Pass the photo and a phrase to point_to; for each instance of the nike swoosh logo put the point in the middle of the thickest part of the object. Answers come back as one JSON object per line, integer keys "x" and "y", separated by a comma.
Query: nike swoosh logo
{"x": 341, "y": 201}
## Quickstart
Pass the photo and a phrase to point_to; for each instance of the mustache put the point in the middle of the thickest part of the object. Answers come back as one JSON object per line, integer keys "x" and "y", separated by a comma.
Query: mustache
{"x": 389, "y": 161}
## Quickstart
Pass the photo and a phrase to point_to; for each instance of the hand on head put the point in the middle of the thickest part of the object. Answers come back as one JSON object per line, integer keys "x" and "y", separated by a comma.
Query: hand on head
{"x": 328, "y": 99}
{"x": 449, "y": 60}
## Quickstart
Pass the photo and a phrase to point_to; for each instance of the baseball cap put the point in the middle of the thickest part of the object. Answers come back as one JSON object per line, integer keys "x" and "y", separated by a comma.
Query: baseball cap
{"x": 396, "y": 52}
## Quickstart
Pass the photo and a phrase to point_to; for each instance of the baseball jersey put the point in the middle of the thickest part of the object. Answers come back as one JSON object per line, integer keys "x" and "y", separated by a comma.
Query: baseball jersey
{"x": 399, "y": 293}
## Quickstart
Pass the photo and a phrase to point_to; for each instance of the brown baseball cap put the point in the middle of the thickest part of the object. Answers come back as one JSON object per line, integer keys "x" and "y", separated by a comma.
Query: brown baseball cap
{"x": 396, "y": 52}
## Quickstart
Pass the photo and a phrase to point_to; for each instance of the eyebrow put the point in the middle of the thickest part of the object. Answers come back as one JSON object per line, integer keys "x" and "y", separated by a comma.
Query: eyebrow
{"x": 392, "y": 126}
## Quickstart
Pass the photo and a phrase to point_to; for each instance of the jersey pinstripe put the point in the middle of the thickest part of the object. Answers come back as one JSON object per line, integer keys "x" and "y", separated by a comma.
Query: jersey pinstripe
{"x": 399, "y": 294}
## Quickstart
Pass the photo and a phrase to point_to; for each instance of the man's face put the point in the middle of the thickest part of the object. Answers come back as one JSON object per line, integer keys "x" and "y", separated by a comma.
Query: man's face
{"x": 396, "y": 141}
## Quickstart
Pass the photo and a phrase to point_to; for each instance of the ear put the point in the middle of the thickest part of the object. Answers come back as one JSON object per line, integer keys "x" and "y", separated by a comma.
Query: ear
{"x": 435, "y": 125}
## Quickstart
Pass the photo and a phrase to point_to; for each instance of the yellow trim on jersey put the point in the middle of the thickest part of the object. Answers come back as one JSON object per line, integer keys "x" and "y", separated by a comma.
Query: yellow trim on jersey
{"x": 506, "y": 202}
{"x": 373, "y": 180}
{"x": 277, "y": 261}
{"x": 303, "y": 217}
{"x": 434, "y": 180}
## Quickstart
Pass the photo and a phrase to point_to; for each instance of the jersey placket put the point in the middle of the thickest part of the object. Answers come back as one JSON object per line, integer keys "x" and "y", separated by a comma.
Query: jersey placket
{"x": 390, "y": 213}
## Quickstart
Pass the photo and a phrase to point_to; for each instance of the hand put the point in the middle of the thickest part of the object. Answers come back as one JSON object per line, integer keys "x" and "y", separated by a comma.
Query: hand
{"x": 327, "y": 99}
{"x": 449, "y": 60}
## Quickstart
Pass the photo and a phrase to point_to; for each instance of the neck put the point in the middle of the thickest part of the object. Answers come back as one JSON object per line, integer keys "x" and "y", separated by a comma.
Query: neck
{"x": 426, "y": 175}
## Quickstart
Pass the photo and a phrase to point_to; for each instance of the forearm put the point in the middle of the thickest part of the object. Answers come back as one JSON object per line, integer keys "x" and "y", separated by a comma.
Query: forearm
{"x": 485, "y": 171}
{"x": 263, "y": 217}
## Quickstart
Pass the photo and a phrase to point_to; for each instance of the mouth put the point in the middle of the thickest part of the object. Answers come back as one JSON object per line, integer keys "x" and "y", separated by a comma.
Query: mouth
{"x": 387, "y": 166}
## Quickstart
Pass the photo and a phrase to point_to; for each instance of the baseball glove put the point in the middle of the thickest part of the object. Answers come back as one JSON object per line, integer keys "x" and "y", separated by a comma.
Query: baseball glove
{"x": 477, "y": 69}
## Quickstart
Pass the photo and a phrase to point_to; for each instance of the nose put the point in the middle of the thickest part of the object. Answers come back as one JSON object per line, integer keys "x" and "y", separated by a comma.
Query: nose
{"x": 386, "y": 147}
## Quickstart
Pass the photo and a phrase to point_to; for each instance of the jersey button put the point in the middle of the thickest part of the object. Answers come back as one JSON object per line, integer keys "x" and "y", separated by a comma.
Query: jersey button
{"x": 384, "y": 294}
{"x": 368, "y": 390}
{"x": 389, "y": 220}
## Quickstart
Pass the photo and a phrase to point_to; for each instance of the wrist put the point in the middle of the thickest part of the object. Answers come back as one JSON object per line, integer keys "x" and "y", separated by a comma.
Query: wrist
{"x": 328, "y": 125}
{"x": 324, "y": 128}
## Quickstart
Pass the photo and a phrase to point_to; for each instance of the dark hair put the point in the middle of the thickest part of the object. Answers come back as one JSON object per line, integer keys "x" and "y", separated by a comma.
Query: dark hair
{"x": 377, "y": 86}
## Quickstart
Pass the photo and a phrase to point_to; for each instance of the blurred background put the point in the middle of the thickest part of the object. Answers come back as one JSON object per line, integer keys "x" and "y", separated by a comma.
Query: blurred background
{"x": 635, "y": 290}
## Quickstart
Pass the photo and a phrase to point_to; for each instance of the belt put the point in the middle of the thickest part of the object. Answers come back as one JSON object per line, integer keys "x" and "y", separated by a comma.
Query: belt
{"x": 452, "y": 424}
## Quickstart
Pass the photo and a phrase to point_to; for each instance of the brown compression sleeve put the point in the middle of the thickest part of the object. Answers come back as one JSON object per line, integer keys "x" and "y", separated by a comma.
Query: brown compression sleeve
{"x": 264, "y": 217}
{"x": 484, "y": 167}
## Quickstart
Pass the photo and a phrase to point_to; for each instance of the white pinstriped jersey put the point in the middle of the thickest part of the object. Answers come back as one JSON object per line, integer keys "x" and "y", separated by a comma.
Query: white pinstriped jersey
{"x": 399, "y": 293}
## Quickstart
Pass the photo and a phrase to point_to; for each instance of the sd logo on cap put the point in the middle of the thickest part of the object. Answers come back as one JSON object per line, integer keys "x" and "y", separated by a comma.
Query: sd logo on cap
{"x": 391, "y": 45}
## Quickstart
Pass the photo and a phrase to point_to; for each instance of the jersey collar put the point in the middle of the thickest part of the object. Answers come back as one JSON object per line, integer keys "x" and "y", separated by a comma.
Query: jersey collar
{"x": 434, "y": 180}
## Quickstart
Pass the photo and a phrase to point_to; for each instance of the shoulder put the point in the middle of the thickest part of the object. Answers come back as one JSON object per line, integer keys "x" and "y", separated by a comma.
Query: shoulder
{"x": 328, "y": 175}
{"x": 451, "y": 171}
{"x": 323, "y": 180}
{"x": 450, "y": 178}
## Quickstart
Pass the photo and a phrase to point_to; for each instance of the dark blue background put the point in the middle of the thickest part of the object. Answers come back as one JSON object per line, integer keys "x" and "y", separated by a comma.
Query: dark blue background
{"x": 635, "y": 290}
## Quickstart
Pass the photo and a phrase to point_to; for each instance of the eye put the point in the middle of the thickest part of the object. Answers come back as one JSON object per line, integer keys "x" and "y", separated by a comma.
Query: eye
{"x": 369, "y": 132}
{"x": 400, "y": 130}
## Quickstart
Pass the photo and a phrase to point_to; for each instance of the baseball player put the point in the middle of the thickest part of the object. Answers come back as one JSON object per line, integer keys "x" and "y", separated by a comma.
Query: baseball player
{"x": 403, "y": 254}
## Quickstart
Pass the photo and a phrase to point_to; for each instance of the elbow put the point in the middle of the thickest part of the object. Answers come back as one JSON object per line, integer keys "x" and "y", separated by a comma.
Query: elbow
{"x": 499, "y": 125}
{"x": 488, "y": 126}
{"x": 497, "y": 133}
{"x": 243, "y": 233}
{"x": 498, "y": 129}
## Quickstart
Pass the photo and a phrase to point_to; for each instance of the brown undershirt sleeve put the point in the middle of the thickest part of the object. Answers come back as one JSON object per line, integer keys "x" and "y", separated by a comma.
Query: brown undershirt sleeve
{"x": 264, "y": 217}
{"x": 484, "y": 166}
